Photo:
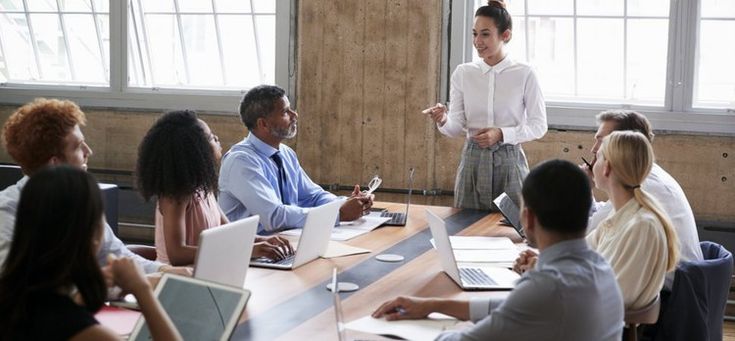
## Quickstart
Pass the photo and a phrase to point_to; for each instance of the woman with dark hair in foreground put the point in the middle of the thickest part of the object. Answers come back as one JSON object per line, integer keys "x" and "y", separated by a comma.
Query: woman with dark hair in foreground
{"x": 51, "y": 284}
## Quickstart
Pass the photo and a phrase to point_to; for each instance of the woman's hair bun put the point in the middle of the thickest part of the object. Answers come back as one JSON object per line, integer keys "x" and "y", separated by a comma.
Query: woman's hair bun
{"x": 496, "y": 3}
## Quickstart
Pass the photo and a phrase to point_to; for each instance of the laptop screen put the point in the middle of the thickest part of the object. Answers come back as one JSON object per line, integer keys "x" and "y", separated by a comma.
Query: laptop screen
{"x": 510, "y": 211}
{"x": 410, "y": 189}
{"x": 200, "y": 310}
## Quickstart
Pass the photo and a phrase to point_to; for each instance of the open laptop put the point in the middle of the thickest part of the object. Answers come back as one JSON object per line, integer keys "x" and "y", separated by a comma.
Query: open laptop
{"x": 398, "y": 218}
{"x": 510, "y": 212}
{"x": 224, "y": 252}
{"x": 314, "y": 238}
{"x": 200, "y": 310}
{"x": 468, "y": 278}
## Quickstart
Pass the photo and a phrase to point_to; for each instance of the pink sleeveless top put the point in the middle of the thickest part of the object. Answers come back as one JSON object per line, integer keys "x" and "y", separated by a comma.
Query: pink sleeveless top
{"x": 201, "y": 214}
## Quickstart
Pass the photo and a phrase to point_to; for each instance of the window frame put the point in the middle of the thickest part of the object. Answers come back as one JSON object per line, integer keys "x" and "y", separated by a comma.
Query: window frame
{"x": 676, "y": 115}
{"x": 118, "y": 95}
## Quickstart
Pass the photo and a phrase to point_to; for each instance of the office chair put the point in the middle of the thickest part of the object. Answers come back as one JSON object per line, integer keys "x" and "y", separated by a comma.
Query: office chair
{"x": 645, "y": 315}
{"x": 696, "y": 306}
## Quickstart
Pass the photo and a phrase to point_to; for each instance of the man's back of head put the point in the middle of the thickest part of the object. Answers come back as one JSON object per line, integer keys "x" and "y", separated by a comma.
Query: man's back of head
{"x": 627, "y": 120}
{"x": 258, "y": 102}
{"x": 558, "y": 194}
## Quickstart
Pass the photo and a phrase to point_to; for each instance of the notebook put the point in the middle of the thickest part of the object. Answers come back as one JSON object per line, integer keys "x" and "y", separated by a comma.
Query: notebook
{"x": 200, "y": 310}
{"x": 314, "y": 238}
{"x": 466, "y": 277}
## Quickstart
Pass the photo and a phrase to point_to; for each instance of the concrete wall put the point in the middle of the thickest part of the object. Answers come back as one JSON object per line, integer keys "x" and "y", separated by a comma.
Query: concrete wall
{"x": 364, "y": 71}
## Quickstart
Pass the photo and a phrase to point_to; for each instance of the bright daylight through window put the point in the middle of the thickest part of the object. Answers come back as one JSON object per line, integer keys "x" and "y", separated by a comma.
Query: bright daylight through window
{"x": 593, "y": 50}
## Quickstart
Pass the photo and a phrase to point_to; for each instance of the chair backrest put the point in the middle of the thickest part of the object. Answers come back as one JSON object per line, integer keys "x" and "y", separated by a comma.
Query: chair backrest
{"x": 9, "y": 175}
{"x": 696, "y": 306}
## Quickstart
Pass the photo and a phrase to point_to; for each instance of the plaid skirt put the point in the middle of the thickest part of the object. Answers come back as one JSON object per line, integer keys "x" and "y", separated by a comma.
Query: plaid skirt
{"x": 485, "y": 173}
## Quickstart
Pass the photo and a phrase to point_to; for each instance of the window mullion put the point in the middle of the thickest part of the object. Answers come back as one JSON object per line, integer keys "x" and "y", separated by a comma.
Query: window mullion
{"x": 257, "y": 42}
{"x": 625, "y": 53}
{"x": 32, "y": 37}
{"x": 184, "y": 53}
{"x": 576, "y": 52}
{"x": 67, "y": 47}
{"x": 118, "y": 35}
{"x": 100, "y": 43}
{"x": 220, "y": 49}
{"x": 146, "y": 66}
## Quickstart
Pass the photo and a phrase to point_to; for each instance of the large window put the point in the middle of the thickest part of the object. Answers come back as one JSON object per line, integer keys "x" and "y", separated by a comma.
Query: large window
{"x": 143, "y": 53}
{"x": 669, "y": 59}
{"x": 715, "y": 64}
{"x": 54, "y": 42}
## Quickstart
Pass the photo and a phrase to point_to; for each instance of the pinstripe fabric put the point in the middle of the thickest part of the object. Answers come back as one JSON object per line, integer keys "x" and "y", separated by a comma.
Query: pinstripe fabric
{"x": 485, "y": 173}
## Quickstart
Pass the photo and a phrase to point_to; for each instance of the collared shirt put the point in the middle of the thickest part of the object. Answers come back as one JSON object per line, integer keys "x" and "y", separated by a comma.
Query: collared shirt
{"x": 248, "y": 184}
{"x": 669, "y": 195}
{"x": 506, "y": 96}
{"x": 633, "y": 240}
{"x": 110, "y": 245}
{"x": 570, "y": 295}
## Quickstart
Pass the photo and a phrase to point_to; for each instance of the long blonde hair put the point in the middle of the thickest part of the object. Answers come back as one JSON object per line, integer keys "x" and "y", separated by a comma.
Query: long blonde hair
{"x": 631, "y": 156}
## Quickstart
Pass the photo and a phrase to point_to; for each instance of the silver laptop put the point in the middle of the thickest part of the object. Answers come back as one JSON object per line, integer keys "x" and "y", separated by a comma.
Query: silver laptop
{"x": 510, "y": 212}
{"x": 468, "y": 278}
{"x": 224, "y": 252}
{"x": 200, "y": 310}
{"x": 314, "y": 238}
{"x": 398, "y": 218}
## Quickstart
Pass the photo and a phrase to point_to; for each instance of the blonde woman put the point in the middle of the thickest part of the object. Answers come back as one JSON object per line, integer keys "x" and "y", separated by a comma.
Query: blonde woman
{"x": 637, "y": 238}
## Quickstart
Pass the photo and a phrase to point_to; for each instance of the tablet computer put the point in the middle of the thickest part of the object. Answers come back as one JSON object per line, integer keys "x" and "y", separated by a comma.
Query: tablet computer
{"x": 200, "y": 310}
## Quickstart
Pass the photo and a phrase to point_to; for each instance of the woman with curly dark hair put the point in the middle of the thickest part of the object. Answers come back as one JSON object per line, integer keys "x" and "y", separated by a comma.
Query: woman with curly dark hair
{"x": 51, "y": 284}
{"x": 177, "y": 163}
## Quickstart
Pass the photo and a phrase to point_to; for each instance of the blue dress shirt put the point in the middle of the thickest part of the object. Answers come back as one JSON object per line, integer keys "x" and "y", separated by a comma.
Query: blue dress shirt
{"x": 248, "y": 185}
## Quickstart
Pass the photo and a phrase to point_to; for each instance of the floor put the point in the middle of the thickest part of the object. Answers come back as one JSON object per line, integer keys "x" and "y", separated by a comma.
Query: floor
{"x": 728, "y": 331}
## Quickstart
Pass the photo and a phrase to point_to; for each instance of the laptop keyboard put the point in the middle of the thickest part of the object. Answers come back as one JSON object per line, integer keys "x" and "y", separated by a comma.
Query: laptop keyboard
{"x": 286, "y": 261}
{"x": 395, "y": 217}
{"x": 475, "y": 276}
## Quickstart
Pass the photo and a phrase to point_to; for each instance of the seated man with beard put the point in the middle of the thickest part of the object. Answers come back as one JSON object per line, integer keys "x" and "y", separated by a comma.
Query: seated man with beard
{"x": 262, "y": 176}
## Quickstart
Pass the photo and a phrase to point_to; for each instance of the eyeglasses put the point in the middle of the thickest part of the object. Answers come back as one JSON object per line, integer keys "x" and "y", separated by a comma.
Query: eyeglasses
{"x": 373, "y": 185}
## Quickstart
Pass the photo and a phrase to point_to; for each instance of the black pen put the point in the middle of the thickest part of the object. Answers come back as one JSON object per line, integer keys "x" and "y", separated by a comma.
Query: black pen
{"x": 587, "y": 163}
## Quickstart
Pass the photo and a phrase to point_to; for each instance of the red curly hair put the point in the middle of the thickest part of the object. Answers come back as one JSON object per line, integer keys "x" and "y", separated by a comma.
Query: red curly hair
{"x": 35, "y": 132}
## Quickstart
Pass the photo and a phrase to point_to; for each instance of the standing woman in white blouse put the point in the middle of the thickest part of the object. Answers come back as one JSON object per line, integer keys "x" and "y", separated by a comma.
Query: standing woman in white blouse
{"x": 496, "y": 104}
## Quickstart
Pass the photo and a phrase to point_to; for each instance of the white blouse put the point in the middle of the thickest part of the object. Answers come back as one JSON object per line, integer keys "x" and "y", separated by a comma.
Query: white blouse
{"x": 506, "y": 96}
{"x": 633, "y": 241}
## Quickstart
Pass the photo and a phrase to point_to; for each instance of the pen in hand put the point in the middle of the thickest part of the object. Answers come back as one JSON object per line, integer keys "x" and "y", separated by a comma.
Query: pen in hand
{"x": 587, "y": 163}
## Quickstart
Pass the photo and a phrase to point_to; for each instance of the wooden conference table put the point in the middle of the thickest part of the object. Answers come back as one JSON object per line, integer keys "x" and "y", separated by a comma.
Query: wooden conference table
{"x": 295, "y": 305}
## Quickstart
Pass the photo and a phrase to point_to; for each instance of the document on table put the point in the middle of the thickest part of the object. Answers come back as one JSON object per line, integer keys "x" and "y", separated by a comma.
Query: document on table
{"x": 349, "y": 229}
{"x": 337, "y": 249}
{"x": 121, "y": 321}
{"x": 470, "y": 249}
{"x": 426, "y": 329}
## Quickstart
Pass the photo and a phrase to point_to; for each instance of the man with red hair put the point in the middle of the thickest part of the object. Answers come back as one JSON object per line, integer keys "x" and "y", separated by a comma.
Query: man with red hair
{"x": 46, "y": 132}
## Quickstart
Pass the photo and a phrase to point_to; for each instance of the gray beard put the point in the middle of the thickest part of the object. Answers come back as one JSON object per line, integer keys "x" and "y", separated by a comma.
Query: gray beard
{"x": 285, "y": 134}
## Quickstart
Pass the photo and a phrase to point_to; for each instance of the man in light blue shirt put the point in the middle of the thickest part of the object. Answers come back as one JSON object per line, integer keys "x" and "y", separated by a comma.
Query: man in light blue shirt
{"x": 572, "y": 294}
{"x": 262, "y": 176}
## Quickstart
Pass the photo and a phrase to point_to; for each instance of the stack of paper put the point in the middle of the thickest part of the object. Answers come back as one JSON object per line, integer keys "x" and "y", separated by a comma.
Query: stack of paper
{"x": 470, "y": 249}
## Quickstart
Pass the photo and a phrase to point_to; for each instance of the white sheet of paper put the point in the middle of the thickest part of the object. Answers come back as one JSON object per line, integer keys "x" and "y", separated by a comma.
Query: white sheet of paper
{"x": 426, "y": 329}
{"x": 486, "y": 256}
{"x": 479, "y": 243}
{"x": 349, "y": 229}
{"x": 337, "y": 249}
